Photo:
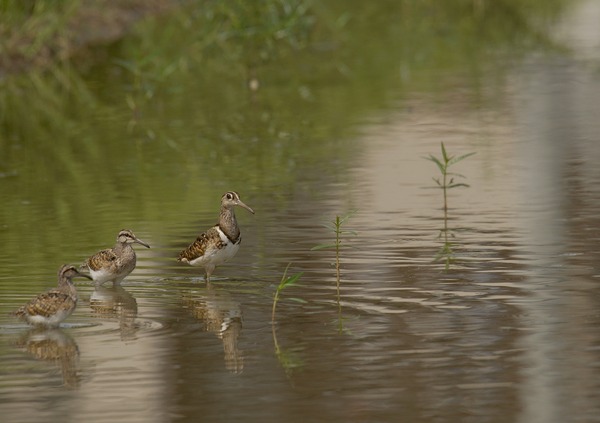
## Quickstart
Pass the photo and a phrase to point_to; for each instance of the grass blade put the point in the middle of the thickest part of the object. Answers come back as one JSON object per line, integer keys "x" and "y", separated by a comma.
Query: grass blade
{"x": 290, "y": 280}
{"x": 322, "y": 247}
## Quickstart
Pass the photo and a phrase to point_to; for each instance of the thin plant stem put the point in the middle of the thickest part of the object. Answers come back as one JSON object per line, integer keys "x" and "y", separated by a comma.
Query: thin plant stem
{"x": 445, "y": 188}
{"x": 337, "y": 269}
{"x": 275, "y": 299}
{"x": 446, "y": 182}
{"x": 336, "y": 227}
{"x": 285, "y": 282}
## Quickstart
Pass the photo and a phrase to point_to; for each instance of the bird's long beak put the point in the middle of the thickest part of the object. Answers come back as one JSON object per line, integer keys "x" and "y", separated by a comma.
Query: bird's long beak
{"x": 83, "y": 275}
{"x": 241, "y": 204}
{"x": 139, "y": 241}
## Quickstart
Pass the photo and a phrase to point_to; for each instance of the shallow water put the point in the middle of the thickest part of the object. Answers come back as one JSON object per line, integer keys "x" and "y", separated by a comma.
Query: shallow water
{"x": 505, "y": 330}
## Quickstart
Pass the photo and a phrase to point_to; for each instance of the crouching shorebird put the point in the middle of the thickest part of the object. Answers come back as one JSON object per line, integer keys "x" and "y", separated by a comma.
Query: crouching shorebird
{"x": 53, "y": 306}
{"x": 221, "y": 242}
{"x": 114, "y": 264}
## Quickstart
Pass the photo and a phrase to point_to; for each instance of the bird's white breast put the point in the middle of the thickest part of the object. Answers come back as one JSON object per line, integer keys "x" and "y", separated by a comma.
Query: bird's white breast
{"x": 53, "y": 320}
{"x": 101, "y": 275}
{"x": 217, "y": 256}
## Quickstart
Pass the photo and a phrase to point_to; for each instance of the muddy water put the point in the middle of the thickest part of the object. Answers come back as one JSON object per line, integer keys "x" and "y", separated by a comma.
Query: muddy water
{"x": 486, "y": 313}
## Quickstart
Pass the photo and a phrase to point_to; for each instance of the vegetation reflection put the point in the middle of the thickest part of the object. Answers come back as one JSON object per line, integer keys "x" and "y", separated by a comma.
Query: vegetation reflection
{"x": 288, "y": 359}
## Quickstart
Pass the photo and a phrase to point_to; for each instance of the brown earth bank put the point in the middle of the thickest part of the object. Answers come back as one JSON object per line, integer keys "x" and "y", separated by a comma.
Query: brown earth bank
{"x": 93, "y": 22}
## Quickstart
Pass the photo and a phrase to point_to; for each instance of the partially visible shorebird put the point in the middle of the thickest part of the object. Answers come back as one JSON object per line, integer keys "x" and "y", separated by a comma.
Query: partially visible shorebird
{"x": 52, "y": 307}
{"x": 221, "y": 242}
{"x": 114, "y": 264}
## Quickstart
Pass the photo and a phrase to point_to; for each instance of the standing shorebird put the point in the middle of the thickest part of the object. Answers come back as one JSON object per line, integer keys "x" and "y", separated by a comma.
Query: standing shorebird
{"x": 114, "y": 264}
{"x": 221, "y": 242}
{"x": 53, "y": 306}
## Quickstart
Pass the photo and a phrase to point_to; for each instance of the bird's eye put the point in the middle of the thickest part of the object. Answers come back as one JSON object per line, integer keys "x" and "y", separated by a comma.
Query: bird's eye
{"x": 229, "y": 196}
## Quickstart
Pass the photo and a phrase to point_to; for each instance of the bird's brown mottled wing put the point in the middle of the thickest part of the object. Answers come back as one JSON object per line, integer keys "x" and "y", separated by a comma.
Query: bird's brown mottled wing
{"x": 47, "y": 304}
{"x": 199, "y": 246}
{"x": 101, "y": 259}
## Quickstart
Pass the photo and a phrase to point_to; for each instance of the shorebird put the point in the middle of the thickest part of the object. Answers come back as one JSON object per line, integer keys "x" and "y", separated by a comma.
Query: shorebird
{"x": 221, "y": 242}
{"x": 114, "y": 264}
{"x": 53, "y": 306}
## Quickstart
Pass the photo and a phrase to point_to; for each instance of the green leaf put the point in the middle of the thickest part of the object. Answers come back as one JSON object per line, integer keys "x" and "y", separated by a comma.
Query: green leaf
{"x": 456, "y": 174}
{"x": 347, "y": 216}
{"x": 298, "y": 300}
{"x": 322, "y": 247}
{"x": 291, "y": 280}
{"x": 458, "y": 185}
{"x": 435, "y": 160}
{"x": 329, "y": 226}
{"x": 444, "y": 154}
{"x": 458, "y": 159}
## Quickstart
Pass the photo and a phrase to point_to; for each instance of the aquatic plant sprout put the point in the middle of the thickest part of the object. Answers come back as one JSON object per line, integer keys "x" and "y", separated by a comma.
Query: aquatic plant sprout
{"x": 447, "y": 181}
{"x": 286, "y": 281}
{"x": 336, "y": 227}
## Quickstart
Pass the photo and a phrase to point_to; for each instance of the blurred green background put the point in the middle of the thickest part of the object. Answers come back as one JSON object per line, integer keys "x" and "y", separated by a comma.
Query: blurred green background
{"x": 138, "y": 121}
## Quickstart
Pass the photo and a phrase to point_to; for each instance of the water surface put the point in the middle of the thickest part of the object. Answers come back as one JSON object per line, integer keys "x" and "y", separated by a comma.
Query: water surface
{"x": 498, "y": 322}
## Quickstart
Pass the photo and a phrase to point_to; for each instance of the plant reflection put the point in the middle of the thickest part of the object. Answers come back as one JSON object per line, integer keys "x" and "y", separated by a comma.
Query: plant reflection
{"x": 222, "y": 316}
{"x": 288, "y": 359}
{"x": 116, "y": 302}
{"x": 54, "y": 345}
{"x": 445, "y": 252}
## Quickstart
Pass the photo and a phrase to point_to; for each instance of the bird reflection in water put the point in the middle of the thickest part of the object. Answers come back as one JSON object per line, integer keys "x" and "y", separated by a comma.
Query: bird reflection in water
{"x": 222, "y": 316}
{"x": 116, "y": 302}
{"x": 54, "y": 345}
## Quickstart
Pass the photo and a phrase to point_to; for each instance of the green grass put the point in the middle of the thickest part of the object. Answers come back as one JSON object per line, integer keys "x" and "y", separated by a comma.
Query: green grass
{"x": 288, "y": 359}
{"x": 447, "y": 181}
{"x": 339, "y": 234}
{"x": 286, "y": 281}
{"x": 34, "y": 31}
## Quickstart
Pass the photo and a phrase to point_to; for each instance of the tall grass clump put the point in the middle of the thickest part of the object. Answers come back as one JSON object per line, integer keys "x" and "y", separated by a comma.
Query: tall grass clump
{"x": 34, "y": 31}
